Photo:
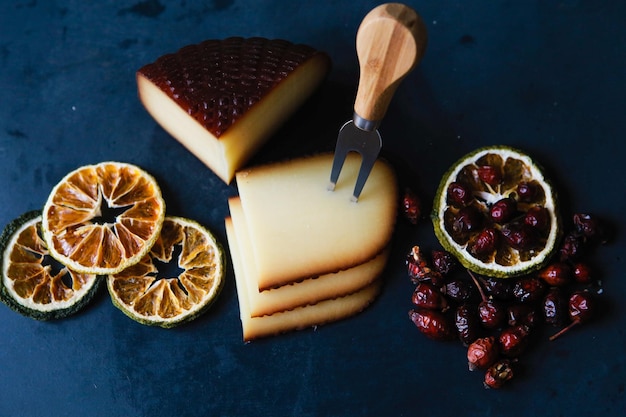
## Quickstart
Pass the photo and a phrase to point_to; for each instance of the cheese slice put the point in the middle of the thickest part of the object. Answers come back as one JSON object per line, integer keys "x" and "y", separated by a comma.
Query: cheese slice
{"x": 300, "y": 317}
{"x": 290, "y": 296}
{"x": 298, "y": 229}
{"x": 223, "y": 99}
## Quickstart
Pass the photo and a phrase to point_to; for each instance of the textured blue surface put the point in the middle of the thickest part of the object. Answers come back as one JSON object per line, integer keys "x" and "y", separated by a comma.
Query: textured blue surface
{"x": 545, "y": 76}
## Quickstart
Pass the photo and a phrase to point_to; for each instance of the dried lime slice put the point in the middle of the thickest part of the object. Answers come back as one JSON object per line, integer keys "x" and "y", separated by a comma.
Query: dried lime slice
{"x": 33, "y": 283}
{"x": 148, "y": 298}
{"x": 102, "y": 218}
{"x": 497, "y": 213}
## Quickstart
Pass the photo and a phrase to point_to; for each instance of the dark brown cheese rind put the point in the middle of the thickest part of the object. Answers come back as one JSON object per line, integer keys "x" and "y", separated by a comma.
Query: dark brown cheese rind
{"x": 217, "y": 81}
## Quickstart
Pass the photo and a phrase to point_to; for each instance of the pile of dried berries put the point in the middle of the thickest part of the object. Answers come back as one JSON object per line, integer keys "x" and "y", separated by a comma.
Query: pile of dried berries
{"x": 497, "y": 319}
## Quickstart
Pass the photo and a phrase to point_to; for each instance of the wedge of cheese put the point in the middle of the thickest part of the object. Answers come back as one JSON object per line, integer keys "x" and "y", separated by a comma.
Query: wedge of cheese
{"x": 304, "y": 255}
{"x": 289, "y": 296}
{"x": 299, "y": 229}
{"x": 222, "y": 99}
{"x": 301, "y": 317}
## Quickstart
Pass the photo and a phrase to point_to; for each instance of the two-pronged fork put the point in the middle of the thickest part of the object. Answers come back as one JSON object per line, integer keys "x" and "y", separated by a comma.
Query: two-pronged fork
{"x": 390, "y": 41}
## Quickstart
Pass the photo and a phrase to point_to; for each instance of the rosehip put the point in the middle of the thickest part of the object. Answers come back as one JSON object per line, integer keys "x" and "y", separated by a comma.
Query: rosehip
{"x": 503, "y": 210}
{"x": 482, "y": 353}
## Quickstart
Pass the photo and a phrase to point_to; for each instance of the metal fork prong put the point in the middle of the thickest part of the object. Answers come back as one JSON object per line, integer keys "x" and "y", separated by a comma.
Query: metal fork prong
{"x": 366, "y": 167}
{"x": 341, "y": 153}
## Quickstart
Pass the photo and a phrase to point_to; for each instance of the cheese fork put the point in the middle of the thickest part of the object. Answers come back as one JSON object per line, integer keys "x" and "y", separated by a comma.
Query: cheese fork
{"x": 390, "y": 41}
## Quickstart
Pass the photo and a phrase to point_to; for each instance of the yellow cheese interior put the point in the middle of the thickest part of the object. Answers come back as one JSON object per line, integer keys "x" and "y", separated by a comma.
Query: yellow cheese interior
{"x": 298, "y": 229}
{"x": 300, "y": 317}
{"x": 226, "y": 154}
{"x": 308, "y": 291}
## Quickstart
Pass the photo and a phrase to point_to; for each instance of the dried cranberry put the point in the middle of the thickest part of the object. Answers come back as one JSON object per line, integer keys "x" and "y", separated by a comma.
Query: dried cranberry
{"x": 443, "y": 261}
{"x": 522, "y": 314}
{"x": 582, "y": 273}
{"x": 433, "y": 324}
{"x": 485, "y": 242}
{"x": 426, "y": 295}
{"x": 498, "y": 374}
{"x": 555, "y": 307}
{"x": 514, "y": 340}
{"x": 526, "y": 191}
{"x": 556, "y": 274}
{"x": 458, "y": 194}
{"x": 529, "y": 290}
{"x": 412, "y": 206}
{"x": 503, "y": 210}
{"x": 482, "y": 353}
{"x": 467, "y": 323}
{"x": 490, "y": 174}
{"x": 538, "y": 218}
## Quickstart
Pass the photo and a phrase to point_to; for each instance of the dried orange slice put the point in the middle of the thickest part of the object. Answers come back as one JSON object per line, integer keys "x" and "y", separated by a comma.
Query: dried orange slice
{"x": 149, "y": 298}
{"x": 33, "y": 284}
{"x": 497, "y": 212}
{"x": 102, "y": 218}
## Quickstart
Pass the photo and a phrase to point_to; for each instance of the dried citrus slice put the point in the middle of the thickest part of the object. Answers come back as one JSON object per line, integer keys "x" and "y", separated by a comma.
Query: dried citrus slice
{"x": 33, "y": 284}
{"x": 143, "y": 295}
{"x": 103, "y": 218}
{"x": 497, "y": 213}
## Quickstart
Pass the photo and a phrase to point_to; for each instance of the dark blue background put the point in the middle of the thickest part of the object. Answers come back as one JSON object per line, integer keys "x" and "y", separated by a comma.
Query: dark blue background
{"x": 546, "y": 76}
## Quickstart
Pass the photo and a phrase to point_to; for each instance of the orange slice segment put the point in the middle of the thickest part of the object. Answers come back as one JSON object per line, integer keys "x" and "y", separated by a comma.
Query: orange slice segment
{"x": 32, "y": 283}
{"x": 148, "y": 298}
{"x": 103, "y": 218}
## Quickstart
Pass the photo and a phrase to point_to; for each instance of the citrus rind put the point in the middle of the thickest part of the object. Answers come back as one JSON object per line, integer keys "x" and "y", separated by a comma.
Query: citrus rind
{"x": 79, "y": 238}
{"x": 29, "y": 285}
{"x": 517, "y": 264}
{"x": 167, "y": 302}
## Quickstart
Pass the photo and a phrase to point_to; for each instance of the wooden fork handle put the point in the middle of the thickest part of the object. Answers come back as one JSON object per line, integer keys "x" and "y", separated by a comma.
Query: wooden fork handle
{"x": 390, "y": 42}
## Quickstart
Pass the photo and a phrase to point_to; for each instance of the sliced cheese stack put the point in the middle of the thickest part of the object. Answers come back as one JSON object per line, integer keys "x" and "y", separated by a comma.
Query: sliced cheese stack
{"x": 222, "y": 99}
{"x": 303, "y": 255}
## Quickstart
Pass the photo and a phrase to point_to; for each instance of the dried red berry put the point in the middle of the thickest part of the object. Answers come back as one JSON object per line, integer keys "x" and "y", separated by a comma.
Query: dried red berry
{"x": 503, "y": 210}
{"x": 514, "y": 340}
{"x": 443, "y": 261}
{"x": 498, "y": 374}
{"x": 571, "y": 247}
{"x": 589, "y": 226}
{"x": 522, "y": 314}
{"x": 412, "y": 206}
{"x": 555, "y": 307}
{"x": 426, "y": 295}
{"x": 556, "y": 274}
{"x": 581, "y": 308}
{"x": 458, "y": 194}
{"x": 467, "y": 324}
{"x": 485, "y": 242}
{"x": 490, "y": 174}
{"x": 526, "y": 191}
{"x": 582, "y": 273}
{"x": 538, "y": 218}
{"x": 529, "y": 290}
{"x": 468, "y": 219}
{"x": 433, "y": 324}
{"x": 519, "y": 236}
{"x": 482, "y": 353}
{"x": 492, "y": 314}
{"x": 417, "y": 264}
